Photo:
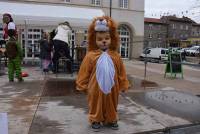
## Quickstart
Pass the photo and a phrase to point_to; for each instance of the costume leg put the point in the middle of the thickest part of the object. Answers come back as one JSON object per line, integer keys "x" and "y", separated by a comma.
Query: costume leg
{"x": 18, "y": 71}
{"x": 110, "y": 108}
{"x": 11, "y": 68}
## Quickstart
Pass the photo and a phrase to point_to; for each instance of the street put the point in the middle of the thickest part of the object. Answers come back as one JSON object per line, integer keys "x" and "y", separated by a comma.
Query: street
{"x": 50, "y": 104}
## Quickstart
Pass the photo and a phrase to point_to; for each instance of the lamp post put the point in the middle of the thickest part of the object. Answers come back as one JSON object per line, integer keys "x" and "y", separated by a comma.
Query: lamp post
{"x": 110, "y": 8}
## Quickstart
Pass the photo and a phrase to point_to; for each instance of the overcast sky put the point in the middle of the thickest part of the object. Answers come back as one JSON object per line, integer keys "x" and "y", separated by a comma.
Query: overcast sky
{"x": 155, "y": 8}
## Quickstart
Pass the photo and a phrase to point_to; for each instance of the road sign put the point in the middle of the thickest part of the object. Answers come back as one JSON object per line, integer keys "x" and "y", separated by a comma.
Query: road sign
{"x": 174, "y": 64}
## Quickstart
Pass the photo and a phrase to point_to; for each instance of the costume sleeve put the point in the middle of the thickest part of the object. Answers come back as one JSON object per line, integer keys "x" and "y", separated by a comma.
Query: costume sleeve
{"x": 84, "y": 74}
{"x": 123, "y": 81}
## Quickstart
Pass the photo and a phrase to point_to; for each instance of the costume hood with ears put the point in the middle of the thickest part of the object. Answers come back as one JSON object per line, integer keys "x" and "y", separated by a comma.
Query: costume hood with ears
{"x": 111, "y": 27}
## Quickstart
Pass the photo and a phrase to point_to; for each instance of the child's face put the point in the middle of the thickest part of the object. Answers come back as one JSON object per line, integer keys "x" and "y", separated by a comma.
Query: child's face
{"x": 6, "y": 19}
{"x": 103, "y": 40}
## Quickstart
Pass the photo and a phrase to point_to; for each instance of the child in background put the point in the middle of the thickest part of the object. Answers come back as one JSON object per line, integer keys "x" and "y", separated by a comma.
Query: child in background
{"x": 14, "y": 54}
{"x": 102, "y": 74}
{"x": 8, "y": 21}
{"x": 45, "y": 52}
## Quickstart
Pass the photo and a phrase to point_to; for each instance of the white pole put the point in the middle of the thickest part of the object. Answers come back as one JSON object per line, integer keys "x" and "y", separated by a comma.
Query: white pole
{"x": 26, "y": 38}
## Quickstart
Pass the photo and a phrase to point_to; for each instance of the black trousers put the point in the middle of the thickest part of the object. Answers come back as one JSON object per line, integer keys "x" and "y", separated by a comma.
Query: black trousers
{"x": 61, "y": 49}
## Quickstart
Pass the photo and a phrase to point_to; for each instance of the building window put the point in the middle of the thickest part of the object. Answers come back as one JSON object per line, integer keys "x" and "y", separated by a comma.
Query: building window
{"x": 174, "y": 36}
{"x": 186, "y": 35}
{"x": 150, "y": 36}
{"x": 96, "y": 2}
{"x": 124, "y": 33}
{"x": 150, "y": 26}
{"x": 181, "y": 27}
{"x": 186, "y": 27}
{"x": 123, "y": 4}
{"x": 149, "y": 44}
{"x": 85, "y": 35}
{"x": 67, "y": 1}
{"x": 72, "y": 39}
{"x": 159, "y": 27}
{"x": 173, "y": 26}
{"x": 32, "y": 49}
{"x": 159, "y": 36}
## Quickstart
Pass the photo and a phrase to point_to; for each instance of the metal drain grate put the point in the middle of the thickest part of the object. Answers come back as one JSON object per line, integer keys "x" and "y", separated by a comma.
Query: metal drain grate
{"x": 59, "y": 87}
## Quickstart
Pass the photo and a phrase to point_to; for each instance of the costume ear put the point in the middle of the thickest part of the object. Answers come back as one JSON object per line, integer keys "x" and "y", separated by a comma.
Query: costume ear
{"x": 101, "y": 25}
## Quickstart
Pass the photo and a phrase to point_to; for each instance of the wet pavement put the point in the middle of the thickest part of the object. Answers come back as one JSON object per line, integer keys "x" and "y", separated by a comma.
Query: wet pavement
{"x": 51, "y": 105}
{"x": 175, "y": 103}
{"x": 64, "y": 113}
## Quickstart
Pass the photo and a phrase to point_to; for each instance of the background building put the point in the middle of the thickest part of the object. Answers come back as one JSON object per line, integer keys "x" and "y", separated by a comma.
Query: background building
{"x": 195, "y": 35}
{"x": 155, "y": 33}
{"x": 129, "y": 14}
{"x": 179, "y": 30}
{"x": 170, "y": 31}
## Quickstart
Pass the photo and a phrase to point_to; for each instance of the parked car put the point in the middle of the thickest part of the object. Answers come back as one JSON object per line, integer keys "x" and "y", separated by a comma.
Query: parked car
{"x": 155, "y": 54}
{"x": 197, "y": 52}
{"x": 176, "y": 49}
{"x": 182, "y": 50}
{"x": 193, "y": 51}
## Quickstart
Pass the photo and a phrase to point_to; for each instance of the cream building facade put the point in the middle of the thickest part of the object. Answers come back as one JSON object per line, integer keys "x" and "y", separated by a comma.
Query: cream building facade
{"x": 129, "y": 14}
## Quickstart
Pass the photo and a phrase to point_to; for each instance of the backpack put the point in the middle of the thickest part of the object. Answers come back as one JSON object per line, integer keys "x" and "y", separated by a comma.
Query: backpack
{"x": 11, "y": 49}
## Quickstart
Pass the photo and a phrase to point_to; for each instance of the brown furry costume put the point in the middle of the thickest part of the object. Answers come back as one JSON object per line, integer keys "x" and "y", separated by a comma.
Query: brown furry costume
{"x": 102, "y": 108}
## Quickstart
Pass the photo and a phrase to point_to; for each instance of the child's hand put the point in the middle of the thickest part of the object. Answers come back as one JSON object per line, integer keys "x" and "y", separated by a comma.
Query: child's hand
{"x": 77, "y": 89}
{"x": 123, "y": 91}
{"x": 80, "y": 91}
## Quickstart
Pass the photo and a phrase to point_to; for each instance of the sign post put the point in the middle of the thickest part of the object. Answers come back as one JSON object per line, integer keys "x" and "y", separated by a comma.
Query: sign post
{"x": 174, "y": 64}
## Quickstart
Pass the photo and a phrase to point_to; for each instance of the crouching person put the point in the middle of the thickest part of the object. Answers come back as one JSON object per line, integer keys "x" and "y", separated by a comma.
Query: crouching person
{"x": 14, "y": 55}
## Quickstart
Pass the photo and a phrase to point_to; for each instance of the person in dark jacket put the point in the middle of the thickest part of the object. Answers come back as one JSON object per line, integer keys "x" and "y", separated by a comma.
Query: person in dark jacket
{"x": 45, "y": 52}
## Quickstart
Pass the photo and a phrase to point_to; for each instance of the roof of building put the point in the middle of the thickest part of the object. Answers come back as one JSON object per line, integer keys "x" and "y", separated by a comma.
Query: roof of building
{"x": 44, "y": 15}
{"x": 153, "y": 20}
{"x": 174, "y": 18}
{"x": 197, "y": 25}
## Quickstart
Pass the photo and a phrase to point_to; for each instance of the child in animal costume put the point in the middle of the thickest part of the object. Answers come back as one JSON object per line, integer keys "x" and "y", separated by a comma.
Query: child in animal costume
{"x": 45, "y": 52}
{"x": 102, "y": 74}
{"x": 14, "y": 54}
